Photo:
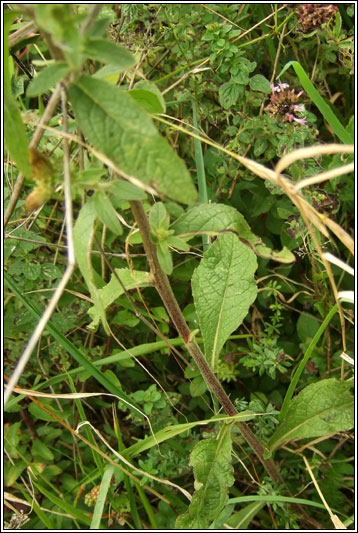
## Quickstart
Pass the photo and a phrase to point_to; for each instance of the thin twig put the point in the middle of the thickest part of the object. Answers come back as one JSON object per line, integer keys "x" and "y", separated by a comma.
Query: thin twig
{"x": 67, "y": 274}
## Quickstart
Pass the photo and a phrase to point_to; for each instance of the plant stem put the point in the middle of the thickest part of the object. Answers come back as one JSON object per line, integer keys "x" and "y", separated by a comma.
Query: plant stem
{"x": 161, "y": 282}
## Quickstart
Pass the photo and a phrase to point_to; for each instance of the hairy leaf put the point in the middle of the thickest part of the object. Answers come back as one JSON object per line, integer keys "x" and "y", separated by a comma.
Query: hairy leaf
{"x": 83, "y": 235}
{"x": 47, "y": 78}
{"x": 106, "y": 212}
{"x": 213, "y": 472}
{"x": 229, "y": 93}
{"x": 15, "y": 136}
{"x": 117, "y": 126}
{"x": 215, "y": 218}
{"x": 319, "y": 409}
{"x": 260, "y": 83}
{"x": 224, "y": 287}
{"x": 131, "y": 279}
{"x": 109, "y": 52}
{"x": 148, "y": 96}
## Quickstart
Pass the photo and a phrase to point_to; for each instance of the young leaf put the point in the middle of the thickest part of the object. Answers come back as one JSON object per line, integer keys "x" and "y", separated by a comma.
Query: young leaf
{"x": 319, "y": 409}
{"x": 211, "y": 461}
{"x": 83, "y": 235}
{"x": 174, "y": 241}
{"x": 60, "y": 21}
{"x": 157, "y": 215}
{"x": 229, "y": 93}
{"x": 148, "y": 96}
{"x": 117, "y": 126}
{"x": 224, "y": 287}
{"x": 15, "y": 136}
{"x": 47, "y": 78}
{"x": 260, "y": 83}
{"x": 109, "y": 52}
{"x": 106, "y": 213}
{"x": 113, "y": 290}
{"x": 165, "y": 257}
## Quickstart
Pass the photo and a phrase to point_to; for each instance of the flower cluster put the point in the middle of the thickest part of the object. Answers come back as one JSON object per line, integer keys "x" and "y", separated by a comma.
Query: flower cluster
{"x": 91, "y": 497}
{"x": 312, "y": 16}
{"x": 284, "y": 104}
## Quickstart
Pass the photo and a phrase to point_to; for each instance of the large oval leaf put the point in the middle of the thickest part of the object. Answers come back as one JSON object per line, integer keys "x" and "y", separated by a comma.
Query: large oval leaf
{"x": 224, "y": 287}
{"x": 319, "y": 409}
{"x": 215, "y": 218}
{"x": 120, "y": 128}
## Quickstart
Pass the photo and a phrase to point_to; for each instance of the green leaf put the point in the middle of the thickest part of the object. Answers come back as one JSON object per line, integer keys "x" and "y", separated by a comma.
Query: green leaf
{"x": 40, "y": 414}
{"x": 109, "y": 52}
{"x": 174, "y": 241}
{"x": 197, "y": 387}
{"x": 123, "y": 190}
{"x": 83, "y": 235}
{"x": 47, "y": 78}
{"x": 307, "y": 327}
{"x": 165, "y": 257}
{"x": 62, "y": 504}
{"x": 260, "y": 83}
{"x": 170, "y": 432}
{"x": 131, "y": 279}
{"x": 157, "y": 215}
{"x": 242, "y": 519}
{"x": 32, "y": 270}
{"x": 60, "y": 21}
{"x": 117, "y": 126}
{"x": 13, "y": 472}
{"x": 213, "y": 472}
{"x": 15, "y": 136}
{"x": 9, "y": 17}
{"x": 282, "y": 256}
{"x": 106, "y": 212}
{"x": 319, "y": 409}
{"x": 215, "y": 218}
{"x": 148, "y": 96}
{"x": 229, "y": 93}
{"x": 223, "y": 287}
{"x": 102, "y": 496}
{"x": 41, "y": 452}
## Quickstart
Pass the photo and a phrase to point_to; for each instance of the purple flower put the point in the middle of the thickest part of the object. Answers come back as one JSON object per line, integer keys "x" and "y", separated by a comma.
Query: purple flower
{"x": 300, "y": 120}
{"x": 280, "y": 87}
{"x": 284, "y": 104}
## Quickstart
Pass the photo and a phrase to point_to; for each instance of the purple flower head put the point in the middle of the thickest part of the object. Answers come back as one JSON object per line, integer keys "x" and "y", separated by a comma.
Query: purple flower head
{"x": 284, "y": 104}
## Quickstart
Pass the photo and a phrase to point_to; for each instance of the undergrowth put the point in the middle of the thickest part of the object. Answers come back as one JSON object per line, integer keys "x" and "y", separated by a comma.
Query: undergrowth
{"x": 194, "y": 367}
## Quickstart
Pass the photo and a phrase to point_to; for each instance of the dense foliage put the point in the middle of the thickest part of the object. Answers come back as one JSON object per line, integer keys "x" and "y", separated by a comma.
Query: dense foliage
{"x": 263, "y": 307}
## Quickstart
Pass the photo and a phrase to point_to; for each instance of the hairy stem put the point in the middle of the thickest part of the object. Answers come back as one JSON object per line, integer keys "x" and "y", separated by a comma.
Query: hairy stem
{"x": 164, "y": 289}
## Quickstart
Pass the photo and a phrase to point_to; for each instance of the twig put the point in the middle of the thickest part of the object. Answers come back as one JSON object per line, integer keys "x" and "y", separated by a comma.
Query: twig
{"x": 69, "y": 269}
